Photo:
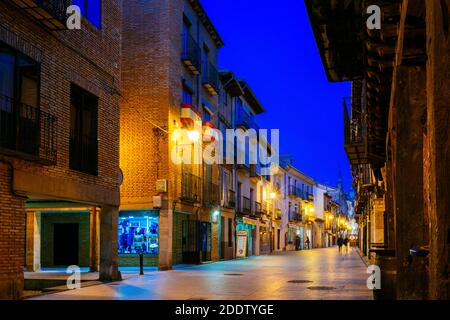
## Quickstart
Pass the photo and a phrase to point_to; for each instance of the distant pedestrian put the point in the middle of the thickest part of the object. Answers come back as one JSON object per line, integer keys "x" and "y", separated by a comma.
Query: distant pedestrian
{"x": 346, "y": 241}
{"x": 307, "y": 242}
{"x": 340, "y": 242}
{"x": 297, "y": 243}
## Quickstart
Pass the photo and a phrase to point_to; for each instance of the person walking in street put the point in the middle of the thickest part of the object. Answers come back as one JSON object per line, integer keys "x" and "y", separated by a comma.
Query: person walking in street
{"x": 307, "y": 242}
{"x": 297, "y": 243}
{"x": 346, "y": 241}
{"x": 340, "y": 242}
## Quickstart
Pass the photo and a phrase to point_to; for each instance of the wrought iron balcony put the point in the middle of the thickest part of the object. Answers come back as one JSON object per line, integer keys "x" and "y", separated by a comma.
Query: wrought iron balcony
{"x": 211, "y": 79}
{"x": 277, "y": 215}
{"x": 245, "y": 120}
{"x": 246, "y": 207}
{"x": 190, "y": 187}
{"x": 258, "y": 209}
{"x": 295, "y": 216}
{"x": 297, "y": 192}
{"x": 190, "y": 54}
{"x": 51, "y": 13}
{"x": 231, "y": 199}
{"x": 355, "y": 136}
{"x": 265, "y": 207}
{"x": 27, "y": 132}
{"x": 211, "y": 195}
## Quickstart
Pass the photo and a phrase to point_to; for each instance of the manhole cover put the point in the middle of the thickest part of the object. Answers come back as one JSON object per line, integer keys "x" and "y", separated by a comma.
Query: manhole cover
{"x": 321, "y": 288}
{"x": 233, "y": 274}
{"x": 300, "y": 281}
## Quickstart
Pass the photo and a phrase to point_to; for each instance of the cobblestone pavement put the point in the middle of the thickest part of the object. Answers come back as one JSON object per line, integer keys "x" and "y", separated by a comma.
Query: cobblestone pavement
{"x": 311, "y": 274}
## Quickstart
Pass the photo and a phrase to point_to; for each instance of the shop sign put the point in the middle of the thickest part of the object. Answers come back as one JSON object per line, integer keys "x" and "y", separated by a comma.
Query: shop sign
{"x": 241, "y": 246}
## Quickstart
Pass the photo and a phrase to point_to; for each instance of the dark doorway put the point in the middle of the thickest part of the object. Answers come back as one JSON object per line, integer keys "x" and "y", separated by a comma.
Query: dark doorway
{"x": 65, "y": 244}
{"x": 206, "y": 241}
{"x": 278, "y": 239}
{"x": 222, "y": 238}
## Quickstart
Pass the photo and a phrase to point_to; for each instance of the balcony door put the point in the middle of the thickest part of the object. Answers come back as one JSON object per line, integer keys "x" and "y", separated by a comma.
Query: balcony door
{"x": 83, "y": 131}
{"x": 19, "y": 99}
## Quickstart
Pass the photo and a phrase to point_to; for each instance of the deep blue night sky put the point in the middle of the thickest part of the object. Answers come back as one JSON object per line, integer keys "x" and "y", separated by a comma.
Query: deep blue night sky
{"x": 273, "y": 48}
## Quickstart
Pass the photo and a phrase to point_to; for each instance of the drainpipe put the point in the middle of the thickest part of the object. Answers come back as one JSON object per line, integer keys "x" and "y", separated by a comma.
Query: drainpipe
{"x": 12, "y": 190}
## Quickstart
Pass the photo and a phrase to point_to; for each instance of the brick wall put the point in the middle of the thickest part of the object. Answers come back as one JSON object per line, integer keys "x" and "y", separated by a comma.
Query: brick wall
{"x": 89, "y": 58}
{"x": 12, "y": 238}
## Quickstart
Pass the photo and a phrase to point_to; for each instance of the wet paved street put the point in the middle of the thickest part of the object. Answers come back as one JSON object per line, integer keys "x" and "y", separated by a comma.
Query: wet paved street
{"x": 316, "y": 274}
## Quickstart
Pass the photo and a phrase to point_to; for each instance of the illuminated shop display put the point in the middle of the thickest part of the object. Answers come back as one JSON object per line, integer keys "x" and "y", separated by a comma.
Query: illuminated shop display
{"x": 138, "y": 232}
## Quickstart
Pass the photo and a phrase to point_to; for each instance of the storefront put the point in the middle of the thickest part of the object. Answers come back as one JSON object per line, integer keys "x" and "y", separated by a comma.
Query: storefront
{"x": 138, "y": 234}
{"x": 248, "y": 225}
{"x": 295, "y": 238}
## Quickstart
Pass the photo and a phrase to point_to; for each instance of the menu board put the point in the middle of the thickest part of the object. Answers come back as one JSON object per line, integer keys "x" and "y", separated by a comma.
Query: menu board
{"x": 241, "y": 246}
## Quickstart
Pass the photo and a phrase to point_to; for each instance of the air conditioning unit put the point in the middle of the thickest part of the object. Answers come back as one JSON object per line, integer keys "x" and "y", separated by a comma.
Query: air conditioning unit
{"x": 161, "y": 185}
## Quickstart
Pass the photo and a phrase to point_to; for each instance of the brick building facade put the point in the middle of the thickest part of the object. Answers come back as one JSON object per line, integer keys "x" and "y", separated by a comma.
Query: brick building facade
{"x": 58, "y": 75}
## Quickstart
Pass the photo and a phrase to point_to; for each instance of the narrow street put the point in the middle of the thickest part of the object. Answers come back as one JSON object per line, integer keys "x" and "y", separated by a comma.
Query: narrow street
{"x": 313, "y": 274}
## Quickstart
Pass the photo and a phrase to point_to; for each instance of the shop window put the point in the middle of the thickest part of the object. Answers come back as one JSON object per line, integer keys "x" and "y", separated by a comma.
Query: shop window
{"x": 138, "y": 232}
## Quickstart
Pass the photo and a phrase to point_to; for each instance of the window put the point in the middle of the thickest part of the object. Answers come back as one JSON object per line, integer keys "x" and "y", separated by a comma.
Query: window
{"x": 91, "y": 10}
{"x": 19, "y": 77}
{"x": 19, "y": 99}
{"x": 83, "y": 131}
{"x": 138, "y": 232}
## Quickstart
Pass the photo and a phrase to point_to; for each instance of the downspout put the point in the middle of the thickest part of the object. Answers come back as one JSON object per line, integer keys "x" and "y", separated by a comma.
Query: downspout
{"x": 12, "y": 190}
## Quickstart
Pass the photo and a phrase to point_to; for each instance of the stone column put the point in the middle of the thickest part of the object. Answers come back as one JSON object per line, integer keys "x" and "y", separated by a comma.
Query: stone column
{"x": 438, "y": 115}
{"x": 109, "y": 257}
{"x": 94, "y": 240}
{"x": 33, "y": 241}
{"x": 165, "y": 239}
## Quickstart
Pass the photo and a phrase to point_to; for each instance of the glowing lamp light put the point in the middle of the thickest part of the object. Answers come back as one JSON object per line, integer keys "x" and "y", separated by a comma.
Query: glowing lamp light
{"x": 273, "y": 195}
{"x": 193, "y": 135}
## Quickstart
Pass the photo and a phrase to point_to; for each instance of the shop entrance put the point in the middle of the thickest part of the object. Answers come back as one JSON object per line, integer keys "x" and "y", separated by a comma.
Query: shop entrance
{"x": 196, "y": 241}
{"x": 65, "y": 244}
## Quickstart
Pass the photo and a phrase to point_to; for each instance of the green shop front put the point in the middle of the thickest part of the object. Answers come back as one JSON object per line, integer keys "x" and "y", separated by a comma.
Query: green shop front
{"x": 138, "y": 234}
{"x": 248, "y": 225}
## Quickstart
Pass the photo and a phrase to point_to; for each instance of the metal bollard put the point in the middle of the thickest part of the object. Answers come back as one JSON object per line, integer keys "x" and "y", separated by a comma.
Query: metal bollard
{"x": 141, "y": 264}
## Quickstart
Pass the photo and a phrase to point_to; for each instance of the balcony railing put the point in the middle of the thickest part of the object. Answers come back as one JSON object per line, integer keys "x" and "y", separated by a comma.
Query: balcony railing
{"x": 277, "y": 215}
{"x": 245, "y": 119}
{"x": 265, "y": 207}
{"x": 295, "y": 216}
{"x": 246, "y": 205}
{"x": 354, "y": 135}
{"x": 190, "y": 187}
{"x": 211, "y": 79}
{"x": 27, "y": 131}
{"x": 231, "y": 199}
{"x": 51, "y": 13}
{"x": 211, "y": 195}
{"x": 258, "y": 209}
{"x": 190, "y": 54}
{"x": 295, "y": 191}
